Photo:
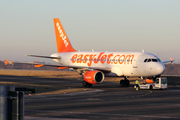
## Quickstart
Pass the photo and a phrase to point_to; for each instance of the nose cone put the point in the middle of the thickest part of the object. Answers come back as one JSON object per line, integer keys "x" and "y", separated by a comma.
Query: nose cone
{"x": 160, "y": 68}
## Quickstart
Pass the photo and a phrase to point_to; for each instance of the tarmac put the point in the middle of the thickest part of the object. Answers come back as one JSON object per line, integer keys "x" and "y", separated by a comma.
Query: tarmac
{"x": 107, "y": 101}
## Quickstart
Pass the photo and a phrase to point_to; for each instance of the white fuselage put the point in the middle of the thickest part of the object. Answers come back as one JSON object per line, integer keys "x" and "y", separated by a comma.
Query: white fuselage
{"x": 120, "y": 63}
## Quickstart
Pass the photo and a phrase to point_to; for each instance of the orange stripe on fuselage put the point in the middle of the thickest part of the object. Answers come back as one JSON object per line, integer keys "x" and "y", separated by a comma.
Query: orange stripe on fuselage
{"x": 102, "y": 58}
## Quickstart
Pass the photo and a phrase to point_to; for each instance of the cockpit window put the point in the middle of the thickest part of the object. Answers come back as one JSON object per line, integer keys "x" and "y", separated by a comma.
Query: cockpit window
{"x": 152, "y": 60}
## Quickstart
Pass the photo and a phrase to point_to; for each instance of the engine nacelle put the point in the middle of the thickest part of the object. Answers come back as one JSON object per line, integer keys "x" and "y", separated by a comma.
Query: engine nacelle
{"x": 93, "y": 77}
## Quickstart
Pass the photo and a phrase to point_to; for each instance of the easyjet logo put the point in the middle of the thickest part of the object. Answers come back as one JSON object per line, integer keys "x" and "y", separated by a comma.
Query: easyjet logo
{"x": 102, "y": 58}
{"x": 88, "y": 77}
{"x": 64, "y": 38}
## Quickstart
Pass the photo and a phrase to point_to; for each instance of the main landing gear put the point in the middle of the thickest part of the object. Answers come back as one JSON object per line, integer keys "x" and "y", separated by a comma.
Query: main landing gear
{"x": 124, "y": 82}
{"x": 86, "y": 84}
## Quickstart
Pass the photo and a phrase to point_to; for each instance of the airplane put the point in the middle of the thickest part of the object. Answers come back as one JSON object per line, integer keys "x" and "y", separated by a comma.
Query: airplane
{"x": 95, "y": 66}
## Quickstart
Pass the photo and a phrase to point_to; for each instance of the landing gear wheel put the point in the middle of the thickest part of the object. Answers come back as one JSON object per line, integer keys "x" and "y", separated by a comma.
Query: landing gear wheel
{"x": 151, "y": 87}
{"x": 124, "y": 83}
{"x": 89, "y": 85}
{"x": 121, "y": 82}
{"x": 85, "y": 84}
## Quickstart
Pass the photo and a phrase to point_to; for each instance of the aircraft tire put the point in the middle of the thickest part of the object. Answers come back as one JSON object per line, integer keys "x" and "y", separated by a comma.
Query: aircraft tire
{"x": 85, "y": 84}
{"x": 89, "y": 85}
{"x": 151, "y": 87}
{"x": 122, "y": 82}
{"x": 127, "y": 83}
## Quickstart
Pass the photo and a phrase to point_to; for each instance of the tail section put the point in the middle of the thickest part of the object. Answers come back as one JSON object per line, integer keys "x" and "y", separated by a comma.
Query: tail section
{"x": 63, "y": 43}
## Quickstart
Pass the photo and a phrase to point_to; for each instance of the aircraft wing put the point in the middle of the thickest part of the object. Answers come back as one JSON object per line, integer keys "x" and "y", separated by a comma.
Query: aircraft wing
{"x": 44, "y": 56}
{"x": 171, "y": 60}
{"x": 59, "y": 66}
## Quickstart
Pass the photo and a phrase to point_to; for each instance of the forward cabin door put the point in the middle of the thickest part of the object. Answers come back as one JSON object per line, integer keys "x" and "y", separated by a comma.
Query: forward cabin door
{"x": 135, "y": 66}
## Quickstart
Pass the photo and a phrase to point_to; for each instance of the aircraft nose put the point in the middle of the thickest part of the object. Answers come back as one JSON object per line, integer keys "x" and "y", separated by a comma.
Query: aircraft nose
{"x": 160, "y": 68}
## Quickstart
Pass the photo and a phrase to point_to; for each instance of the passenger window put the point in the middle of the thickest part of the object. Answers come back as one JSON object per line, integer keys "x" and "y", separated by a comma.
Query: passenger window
{"x": 145, "y": 60}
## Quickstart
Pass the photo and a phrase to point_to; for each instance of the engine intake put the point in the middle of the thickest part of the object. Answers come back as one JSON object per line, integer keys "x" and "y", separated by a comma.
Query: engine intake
{"x": 93, "y": 77}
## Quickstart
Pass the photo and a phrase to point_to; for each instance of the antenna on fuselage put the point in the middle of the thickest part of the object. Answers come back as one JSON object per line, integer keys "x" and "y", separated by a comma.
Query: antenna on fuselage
{"x": 92, "y": 50}
{"x": 142, "y": 50}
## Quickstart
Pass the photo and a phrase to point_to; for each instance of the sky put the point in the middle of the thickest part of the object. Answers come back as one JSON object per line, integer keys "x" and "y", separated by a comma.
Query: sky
{"x": 26, "y": 27}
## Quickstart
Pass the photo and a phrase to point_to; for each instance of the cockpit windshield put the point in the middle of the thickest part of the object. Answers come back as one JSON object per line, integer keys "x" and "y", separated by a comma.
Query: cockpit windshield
{"x": 152, "y": 60}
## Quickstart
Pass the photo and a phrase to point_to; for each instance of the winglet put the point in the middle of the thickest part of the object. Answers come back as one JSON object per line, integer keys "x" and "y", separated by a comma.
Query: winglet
{"x": 171, "y": 59}
{"x": 5, "y": 62}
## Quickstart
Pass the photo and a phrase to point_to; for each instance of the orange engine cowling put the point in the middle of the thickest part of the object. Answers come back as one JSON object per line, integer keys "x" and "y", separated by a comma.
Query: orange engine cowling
{"x": 93, "y": 77}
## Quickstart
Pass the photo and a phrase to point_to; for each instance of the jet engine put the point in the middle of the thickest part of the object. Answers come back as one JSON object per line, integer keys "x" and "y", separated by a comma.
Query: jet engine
{"x": 93, "y": 77}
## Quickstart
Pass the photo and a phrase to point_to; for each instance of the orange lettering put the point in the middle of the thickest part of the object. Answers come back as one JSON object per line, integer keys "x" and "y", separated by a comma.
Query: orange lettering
{"x": 85, "y": 58}
{"x": 115, "y": 62}
{"x": 79, "y": 60}
{"x": 121, "y": 60}
{"x": 73, "y": 58}
{"x": 96, "y": 60}
{"x": 129, "y": 58}
{"x": 91, "y": 59}
{"x": 118, "y": 59}
{"x": 103, "y": 59}
{"x": 108, "y": 59}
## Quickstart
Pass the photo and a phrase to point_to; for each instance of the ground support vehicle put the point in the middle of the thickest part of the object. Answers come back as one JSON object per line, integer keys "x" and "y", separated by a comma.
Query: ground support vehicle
{"x": 158, "y": 83}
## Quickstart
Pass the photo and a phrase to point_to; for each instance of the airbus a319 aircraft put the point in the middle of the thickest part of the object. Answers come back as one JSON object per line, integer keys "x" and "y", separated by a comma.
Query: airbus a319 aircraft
{"x": 95, "y": 66}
